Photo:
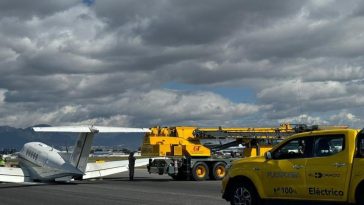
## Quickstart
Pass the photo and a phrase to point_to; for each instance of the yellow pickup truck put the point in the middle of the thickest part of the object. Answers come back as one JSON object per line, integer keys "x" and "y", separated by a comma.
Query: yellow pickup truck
{"x": 325, "y": 165}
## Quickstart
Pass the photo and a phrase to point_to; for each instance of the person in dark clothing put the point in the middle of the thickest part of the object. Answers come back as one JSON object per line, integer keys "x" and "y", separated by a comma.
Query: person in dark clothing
{"x": 131, "y": 166}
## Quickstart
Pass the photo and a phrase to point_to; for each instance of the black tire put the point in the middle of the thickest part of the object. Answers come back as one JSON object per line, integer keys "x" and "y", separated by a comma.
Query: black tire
{"x": 218, "y": 171}
{"x": 161, "y": 171}
{"x": 244, "y": 193}
{"x": 200, "y": 171}
{"x": 359, "y": 196}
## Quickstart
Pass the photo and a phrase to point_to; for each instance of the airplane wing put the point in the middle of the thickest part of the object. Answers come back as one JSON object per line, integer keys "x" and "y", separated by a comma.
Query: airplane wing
{"x": 14, "y": 175}
{"x": 93, "y": 170}
{"x": 89, "y": 129}
{"x": 96, "y": 170}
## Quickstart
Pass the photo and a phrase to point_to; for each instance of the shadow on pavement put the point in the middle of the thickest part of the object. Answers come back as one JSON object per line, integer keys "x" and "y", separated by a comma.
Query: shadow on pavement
{"x": 13, "y": 185}
{"x": 126, "y": 180}
{"x": 282, "y": 202}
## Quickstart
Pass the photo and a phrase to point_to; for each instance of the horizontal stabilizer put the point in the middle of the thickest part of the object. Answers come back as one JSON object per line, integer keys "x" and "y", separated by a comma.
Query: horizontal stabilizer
{"x": 63, "y": 129}
{"x": 89, "y": 129}
{"x": 120, "y": 129}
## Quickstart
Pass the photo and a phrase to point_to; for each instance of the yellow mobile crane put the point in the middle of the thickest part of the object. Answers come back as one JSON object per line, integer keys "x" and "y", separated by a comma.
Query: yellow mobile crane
{"x": 185, "y": 154}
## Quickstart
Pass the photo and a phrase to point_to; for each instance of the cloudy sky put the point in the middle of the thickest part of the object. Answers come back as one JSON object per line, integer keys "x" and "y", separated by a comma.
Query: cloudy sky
{"x": 172, "y": 62}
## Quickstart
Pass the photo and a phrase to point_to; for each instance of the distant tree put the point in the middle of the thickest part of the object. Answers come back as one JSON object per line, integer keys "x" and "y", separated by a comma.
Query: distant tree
{"x": 125, "y": 150}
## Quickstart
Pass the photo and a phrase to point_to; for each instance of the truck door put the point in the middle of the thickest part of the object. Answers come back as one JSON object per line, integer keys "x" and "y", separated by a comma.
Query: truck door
{"x": 326, "y": 171}
{"x": 284, "y": 174}
{"x": 358, "y": 165}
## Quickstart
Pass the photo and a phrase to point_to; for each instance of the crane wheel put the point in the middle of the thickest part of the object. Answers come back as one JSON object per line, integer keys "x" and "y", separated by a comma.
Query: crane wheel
{"x": 200, "y": 171}
{"x": 218, "y": 171}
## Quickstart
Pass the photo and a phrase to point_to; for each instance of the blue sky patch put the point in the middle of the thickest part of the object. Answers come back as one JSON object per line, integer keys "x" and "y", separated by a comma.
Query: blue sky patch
{"x": 88, "y": 2}
{"x": 234, "y": 94}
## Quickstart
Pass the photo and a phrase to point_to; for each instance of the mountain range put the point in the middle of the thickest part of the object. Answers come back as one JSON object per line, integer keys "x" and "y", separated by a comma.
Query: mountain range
{"x": 11, "y": 137}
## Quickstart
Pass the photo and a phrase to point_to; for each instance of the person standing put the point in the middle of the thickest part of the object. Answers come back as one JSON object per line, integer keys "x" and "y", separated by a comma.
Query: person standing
{"x": 131, "y": 166}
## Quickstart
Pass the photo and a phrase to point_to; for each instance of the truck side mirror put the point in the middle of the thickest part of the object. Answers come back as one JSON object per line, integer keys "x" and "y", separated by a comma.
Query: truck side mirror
{"x": 268, "y": 155}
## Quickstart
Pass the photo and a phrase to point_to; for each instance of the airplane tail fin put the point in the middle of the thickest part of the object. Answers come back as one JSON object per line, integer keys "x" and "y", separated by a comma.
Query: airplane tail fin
{"x": 81, "y": 151}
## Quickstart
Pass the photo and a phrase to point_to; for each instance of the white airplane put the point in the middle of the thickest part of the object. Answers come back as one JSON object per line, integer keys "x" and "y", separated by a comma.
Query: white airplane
{"x": 41, "y": 163}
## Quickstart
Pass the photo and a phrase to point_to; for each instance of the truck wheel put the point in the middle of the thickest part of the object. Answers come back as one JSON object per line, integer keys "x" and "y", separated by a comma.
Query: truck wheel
{"x": 359, "y": 195}
{"x": 244, "y": 193}
{"x": 218, "y": 171}
{"x": 161, "y": 171}
{"x": 360, "y": 200}
{"x": 200, "y": 171}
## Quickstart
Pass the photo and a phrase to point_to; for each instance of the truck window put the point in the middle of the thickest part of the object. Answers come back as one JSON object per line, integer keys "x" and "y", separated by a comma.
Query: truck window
{"x": 329, "y": 145}
{"x": 360, "y": 146}
{"x": 296, "y": 148}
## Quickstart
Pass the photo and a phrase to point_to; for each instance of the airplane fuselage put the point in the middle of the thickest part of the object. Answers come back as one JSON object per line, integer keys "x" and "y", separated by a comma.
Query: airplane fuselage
{"x": 46, "y": 163}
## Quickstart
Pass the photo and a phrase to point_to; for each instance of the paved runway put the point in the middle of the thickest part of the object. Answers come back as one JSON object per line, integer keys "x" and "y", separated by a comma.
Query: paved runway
{"x": 117, "y": 189}
{"x": 146, "y": 189}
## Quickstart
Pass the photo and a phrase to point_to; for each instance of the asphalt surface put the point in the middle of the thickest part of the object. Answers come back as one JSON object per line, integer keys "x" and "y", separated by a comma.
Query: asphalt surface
{"x": 117, "y": 189}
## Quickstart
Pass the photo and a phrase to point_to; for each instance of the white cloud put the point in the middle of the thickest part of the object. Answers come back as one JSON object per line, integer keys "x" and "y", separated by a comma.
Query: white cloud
{"x": 2, "y": 96}
{"x": 68, "y": 63}
{"x": 135, "y": 108}
{"x": 295, "y": 91}
{"x": 305, "y": 119}
{"x": 165, "y": 106}
{"x": 345, "y": 117}
{"x": 210, "y": 65}
{"x": 116, "y": 120}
